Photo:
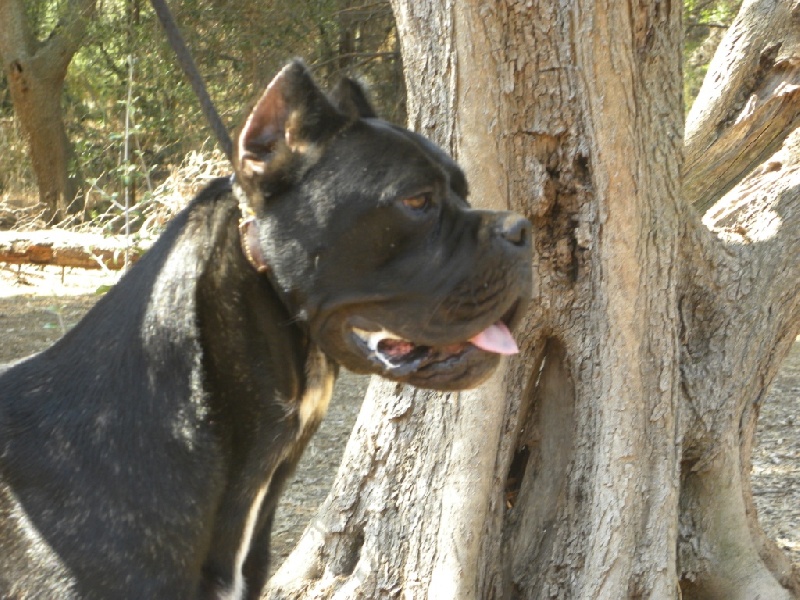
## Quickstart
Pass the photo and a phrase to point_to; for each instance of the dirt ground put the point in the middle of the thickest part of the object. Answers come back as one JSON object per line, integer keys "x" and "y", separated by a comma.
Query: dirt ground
{"x": 38, "y": 304}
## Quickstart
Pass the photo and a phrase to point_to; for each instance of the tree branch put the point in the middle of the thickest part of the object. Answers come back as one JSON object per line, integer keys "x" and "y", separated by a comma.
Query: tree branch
{"x": 65, "y": 249}
{"x": 763, "y": 213}
{"x": 749, "y": 102}
{"x": 16, "y": 39}
{"x": 743, "y": 169}
{"x": 67, "y": 37}
{"x": 742, "y": 284}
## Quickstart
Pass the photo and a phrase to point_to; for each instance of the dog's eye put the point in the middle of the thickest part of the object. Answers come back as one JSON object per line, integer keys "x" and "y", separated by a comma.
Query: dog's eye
{"x": 420, "y": 202}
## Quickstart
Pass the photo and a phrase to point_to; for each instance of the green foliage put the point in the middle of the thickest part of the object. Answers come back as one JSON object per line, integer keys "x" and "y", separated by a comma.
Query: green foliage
{"x": 43, "y": 14}
{"x": 705, "y": 21}
{"x": 238, "y": 46}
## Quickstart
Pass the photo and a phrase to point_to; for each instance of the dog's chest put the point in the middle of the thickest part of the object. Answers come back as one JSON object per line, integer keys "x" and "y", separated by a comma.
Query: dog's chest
{"x": 310, "y": 408}
{"x": 313, "y": 404}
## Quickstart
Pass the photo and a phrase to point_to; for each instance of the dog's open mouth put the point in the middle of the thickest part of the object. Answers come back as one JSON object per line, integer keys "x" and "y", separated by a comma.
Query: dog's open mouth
{"x": 403, "y": 356}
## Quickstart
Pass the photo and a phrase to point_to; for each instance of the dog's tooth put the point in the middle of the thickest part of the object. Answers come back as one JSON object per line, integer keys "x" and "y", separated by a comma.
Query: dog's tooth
{"x": 370, "y": 338}
{"x": 373, "y": 338}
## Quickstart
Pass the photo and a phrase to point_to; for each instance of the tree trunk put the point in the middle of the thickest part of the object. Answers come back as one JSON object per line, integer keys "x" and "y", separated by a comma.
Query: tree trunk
{"x": 611, "y": 458}
{"x": 35, "y": 72}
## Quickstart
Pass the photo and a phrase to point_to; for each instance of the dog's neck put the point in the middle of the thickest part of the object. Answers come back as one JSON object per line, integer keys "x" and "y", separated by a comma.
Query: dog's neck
{"x": 250, "y": 242}
{"x": 248, "y": 230}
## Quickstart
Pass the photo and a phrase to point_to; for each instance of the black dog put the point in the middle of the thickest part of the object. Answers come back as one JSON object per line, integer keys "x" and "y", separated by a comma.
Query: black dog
{"x": 143, "y": 454}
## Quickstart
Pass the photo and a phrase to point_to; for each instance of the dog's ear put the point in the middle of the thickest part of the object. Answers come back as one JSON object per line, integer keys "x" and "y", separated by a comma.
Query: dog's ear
{"x": 292, "y": 115}
{"x": 350, "y": 98}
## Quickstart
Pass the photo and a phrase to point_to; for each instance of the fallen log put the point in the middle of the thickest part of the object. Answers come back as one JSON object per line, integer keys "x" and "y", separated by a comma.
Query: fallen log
{"x": 68, "y": 249}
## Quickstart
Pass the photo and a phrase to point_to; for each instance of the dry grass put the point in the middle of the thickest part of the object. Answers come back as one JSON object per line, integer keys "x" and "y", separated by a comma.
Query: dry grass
{"x": 102, "y": 212}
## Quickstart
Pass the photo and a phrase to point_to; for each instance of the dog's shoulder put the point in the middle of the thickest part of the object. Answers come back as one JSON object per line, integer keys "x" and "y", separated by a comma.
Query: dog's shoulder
{"x": 157, "y": 295}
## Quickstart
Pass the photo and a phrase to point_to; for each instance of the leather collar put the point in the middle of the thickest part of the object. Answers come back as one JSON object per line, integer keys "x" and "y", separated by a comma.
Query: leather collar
{"x": 248, "y": 231}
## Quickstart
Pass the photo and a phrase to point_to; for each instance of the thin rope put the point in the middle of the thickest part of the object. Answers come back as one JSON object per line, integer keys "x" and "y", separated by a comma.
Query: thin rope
{"x": 126, "y": 162}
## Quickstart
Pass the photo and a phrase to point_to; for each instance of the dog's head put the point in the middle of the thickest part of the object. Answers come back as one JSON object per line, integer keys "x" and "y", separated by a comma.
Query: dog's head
{"x": 368, "y": 237}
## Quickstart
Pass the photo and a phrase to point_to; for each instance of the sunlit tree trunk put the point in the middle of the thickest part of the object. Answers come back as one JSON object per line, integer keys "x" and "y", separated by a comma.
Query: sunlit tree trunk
{"x": 35, "y": 71}
{"x": 611, "y": 458}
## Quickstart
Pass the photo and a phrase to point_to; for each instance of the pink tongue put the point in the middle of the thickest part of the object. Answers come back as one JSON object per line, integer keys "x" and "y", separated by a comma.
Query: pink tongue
{"x": 496, "y": 338}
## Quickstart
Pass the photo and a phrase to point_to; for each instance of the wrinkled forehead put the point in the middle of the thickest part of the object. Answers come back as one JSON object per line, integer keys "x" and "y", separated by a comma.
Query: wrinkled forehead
{"x": 458, "y": 181}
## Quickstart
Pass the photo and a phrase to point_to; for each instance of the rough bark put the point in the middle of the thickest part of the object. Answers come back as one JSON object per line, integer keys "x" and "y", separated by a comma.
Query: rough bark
{"x": 35, "y": 71}
{"x": 611, "y": 458}
{"x": 743, "y": 149}
{"x": 743, "y": 317}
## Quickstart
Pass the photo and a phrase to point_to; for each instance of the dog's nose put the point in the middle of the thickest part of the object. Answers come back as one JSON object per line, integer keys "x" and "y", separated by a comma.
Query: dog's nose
{"x": 515, "y": 229}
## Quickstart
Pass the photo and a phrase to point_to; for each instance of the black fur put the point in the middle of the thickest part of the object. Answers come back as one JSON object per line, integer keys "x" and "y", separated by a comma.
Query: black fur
{"x": 139, "y": 451}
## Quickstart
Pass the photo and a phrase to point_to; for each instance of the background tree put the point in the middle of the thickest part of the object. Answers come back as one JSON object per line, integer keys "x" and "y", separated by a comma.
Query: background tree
{"x": 611, "y": 458}
{"x": 36, "y": 47}
{"x": 237, "y": 46}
